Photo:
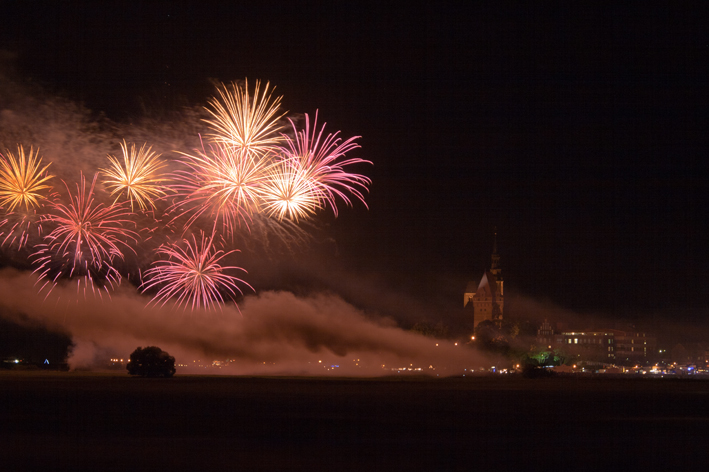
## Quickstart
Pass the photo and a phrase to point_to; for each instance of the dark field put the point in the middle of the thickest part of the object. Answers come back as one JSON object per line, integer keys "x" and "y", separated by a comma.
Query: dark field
{"x": 73, "y": 421}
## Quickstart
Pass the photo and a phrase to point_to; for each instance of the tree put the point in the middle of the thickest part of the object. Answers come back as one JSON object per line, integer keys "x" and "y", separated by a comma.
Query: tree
{"x": 490, "y": 337}
{"x": 151, "y": 361}
{"x": 439, "y": 331}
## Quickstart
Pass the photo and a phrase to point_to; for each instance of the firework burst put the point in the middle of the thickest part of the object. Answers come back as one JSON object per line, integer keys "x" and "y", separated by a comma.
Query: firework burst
{"x": 289, "y": 192}
{"x": 249, "y": 124}
{"x": 223, "y": 183}
{"x": 23, "y": 180}
{"x": 192, "y": 275}
{"x": 138, "y": 176}
{"x": 86, "y": 240}
{"x": 253, "y": 182}
{"x": 319, "y": 160}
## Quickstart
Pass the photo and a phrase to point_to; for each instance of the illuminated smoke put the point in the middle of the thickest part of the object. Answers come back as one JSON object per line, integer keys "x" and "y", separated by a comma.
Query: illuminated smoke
{"x": 278, "y": 333}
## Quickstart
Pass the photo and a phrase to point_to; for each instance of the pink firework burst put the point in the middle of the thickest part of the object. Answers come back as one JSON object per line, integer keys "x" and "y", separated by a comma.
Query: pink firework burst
{"x": 85, "y": 241}
{"x": 321, "y": 160}
{"x": 192, "y": 275}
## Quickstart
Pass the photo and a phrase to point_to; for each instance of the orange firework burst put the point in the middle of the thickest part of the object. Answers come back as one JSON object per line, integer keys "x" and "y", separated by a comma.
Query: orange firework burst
{"x": 193, "y": 275}
{"x": 138, "y": 175}
{"x": 23, "y": 182}
{"x": 249, "y": 124}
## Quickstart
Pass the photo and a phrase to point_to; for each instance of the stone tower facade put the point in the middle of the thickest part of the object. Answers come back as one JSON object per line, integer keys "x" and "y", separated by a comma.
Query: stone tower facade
{"x": 487, "y": 300}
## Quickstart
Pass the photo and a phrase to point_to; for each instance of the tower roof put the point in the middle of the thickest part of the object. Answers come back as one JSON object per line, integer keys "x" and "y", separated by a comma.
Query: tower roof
{"x": 488, "y": 285}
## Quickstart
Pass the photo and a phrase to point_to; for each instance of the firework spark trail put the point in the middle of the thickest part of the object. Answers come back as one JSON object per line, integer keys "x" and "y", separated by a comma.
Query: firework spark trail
{"x": 85, "y": 239}
{"x": 193, "y": 275}
{"x": 249, "y": 124}
{"x": 18, "y": 227}
{"x": 23, "y": 182}
{"x": 138, "y": 176}
{"x": 222, "y": 183}
{"x": 317, "y": 159}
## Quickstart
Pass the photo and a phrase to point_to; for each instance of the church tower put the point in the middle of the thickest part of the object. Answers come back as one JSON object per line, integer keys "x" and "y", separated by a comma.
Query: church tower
{"x": 487, "y": 300}
{"x": 496, "y": 270}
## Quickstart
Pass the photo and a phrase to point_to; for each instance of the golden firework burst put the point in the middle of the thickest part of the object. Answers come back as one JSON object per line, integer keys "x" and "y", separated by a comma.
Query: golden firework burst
{"x": 23, "y": 180}
{"x": 138, "y": 175}
{"x": 248, "y": 123}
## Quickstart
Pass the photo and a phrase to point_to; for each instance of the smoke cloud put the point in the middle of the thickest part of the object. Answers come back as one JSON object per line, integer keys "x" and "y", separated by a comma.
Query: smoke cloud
{"x": 274, "y": 333}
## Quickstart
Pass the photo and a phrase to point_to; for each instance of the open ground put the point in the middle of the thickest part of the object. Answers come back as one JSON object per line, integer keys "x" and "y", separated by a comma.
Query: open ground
{"x": 90, "y": 421}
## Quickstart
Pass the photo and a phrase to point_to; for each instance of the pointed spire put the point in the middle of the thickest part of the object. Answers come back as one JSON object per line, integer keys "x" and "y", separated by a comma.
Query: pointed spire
{"x": 495, "y": 268}
{"x": 494, "y": 247}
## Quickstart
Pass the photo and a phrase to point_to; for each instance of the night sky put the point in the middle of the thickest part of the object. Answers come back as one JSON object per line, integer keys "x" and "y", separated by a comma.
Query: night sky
{"x": 580, "y": 132}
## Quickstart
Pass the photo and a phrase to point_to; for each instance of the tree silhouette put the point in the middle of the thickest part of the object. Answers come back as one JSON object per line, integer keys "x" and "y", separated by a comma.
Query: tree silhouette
{"x": 151, "y": 361}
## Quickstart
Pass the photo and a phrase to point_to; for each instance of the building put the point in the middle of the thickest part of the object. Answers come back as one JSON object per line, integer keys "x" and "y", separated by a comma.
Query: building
{"x": 599, "y": 345}
{"x": 487, "y": 301}
{"x": 589, "y": 345}
{"x": 633, "y": 346}
{"x": 545, "y": 334}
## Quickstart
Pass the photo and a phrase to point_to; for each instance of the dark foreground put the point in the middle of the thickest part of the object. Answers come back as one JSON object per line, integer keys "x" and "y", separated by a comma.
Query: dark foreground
{"x": 71, "y": 421}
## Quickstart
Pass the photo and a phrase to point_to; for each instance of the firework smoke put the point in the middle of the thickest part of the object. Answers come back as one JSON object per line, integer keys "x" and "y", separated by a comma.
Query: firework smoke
{"x": 278, "y": 333}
